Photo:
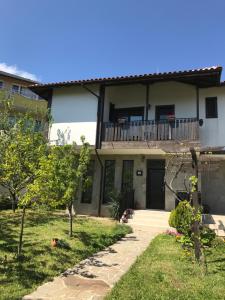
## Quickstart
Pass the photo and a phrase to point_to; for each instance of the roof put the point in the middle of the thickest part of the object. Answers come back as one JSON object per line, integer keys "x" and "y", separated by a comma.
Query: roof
{"x": 204, "y": 77}
{"x": 3, "y": 73}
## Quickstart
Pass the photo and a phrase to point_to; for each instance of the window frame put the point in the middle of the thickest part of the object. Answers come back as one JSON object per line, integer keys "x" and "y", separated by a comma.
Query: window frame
{"x": 131, "y": 166}
{"x": 104, "y": 200}
{"x": 90, "y": 188}
{"x": 15, "y": 84}
{"x": 208, "y": 114}
{"x": 3, "y": 84}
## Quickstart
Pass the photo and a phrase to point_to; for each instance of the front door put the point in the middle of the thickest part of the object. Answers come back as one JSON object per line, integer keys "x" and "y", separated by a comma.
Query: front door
{"x": 155, "y": 191}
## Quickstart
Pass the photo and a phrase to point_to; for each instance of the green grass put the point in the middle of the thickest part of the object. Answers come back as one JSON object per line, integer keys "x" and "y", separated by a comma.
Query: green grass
{"x": 164, "y": 272}
{"x": 41, "y": 262}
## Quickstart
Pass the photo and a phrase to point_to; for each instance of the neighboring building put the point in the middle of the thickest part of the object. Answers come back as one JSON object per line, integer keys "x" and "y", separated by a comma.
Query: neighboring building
{"x": 16, "y": 88}
{"x": 134, "y": 124}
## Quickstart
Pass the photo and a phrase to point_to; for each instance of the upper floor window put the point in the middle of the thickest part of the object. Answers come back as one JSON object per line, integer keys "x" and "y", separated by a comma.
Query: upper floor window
{"x": 130, "y": 114}
{"x": 211, "y": 107}
{"x": 15, "y": 88}
{"x": 1, "y": 84}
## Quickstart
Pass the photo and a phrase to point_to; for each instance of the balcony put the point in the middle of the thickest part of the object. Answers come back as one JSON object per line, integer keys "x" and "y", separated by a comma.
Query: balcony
{"x": 185, "y": 129}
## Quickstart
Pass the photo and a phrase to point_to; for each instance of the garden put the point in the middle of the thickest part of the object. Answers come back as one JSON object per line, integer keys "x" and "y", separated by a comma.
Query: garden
{"x": 41, "y": 261}
{"x": 170, "y": 268}
{"x": 40, "y": 234}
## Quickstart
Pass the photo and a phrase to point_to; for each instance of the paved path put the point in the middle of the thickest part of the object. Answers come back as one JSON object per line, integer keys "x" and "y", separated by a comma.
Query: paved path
{"x": 92, "y": 278}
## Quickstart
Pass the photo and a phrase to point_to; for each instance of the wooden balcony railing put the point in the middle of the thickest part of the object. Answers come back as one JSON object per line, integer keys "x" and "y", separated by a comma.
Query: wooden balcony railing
{"x": 163, "y": 130}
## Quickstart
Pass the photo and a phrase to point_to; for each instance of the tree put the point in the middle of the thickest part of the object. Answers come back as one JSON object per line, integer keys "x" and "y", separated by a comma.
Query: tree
{"x": 60, "y": 176}
{"x": 22, "y": 146}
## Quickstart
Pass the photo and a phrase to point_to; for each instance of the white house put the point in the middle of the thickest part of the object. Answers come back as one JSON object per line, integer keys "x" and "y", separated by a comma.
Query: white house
{"x": 136, "y": 124}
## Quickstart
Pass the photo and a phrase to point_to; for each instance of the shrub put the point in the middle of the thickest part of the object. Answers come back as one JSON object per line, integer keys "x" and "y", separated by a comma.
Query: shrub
{"x": 207, "y": 236}
{"x": 5, "y": 202}
{"x": 172, "y": 218}
{"x": 181, "y": 217}
{"x": 115, "y": 205}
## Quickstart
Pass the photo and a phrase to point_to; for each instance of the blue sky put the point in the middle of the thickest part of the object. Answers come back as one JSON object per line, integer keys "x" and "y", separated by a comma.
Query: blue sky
{"x": 73, "y": 39}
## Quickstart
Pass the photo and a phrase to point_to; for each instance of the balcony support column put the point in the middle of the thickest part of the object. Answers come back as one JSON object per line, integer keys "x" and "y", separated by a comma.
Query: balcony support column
{"x": 147, "y": 102}
{"x": 197, "y": 103}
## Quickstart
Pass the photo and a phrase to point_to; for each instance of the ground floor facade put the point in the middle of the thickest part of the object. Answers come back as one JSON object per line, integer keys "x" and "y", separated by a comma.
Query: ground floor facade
{"x": 149, "y": 178}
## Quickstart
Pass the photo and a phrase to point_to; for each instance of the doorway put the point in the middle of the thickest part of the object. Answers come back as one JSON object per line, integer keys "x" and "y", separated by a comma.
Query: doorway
{"x": 155, "y": 189}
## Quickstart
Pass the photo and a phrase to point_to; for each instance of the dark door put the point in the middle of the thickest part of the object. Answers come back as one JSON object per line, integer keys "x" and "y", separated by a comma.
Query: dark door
{"x": 155, "y": 191}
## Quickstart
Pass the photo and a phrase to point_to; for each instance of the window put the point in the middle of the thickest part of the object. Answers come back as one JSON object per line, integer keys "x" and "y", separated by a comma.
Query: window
{"x": 1, "y": 84}
{"x": 87, "y": 193}
{"x": 164, "y": 112}
{"x": 211, "y": 107}
{"x": 15, "y": 88}
{"x": 109, "y": 179}
{"x": 127, "y": 175}
{"x": 129, "y": 114}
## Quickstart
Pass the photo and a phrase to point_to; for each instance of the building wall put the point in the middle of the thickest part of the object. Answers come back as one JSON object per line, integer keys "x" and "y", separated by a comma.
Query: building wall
{"x": 212, "y": 131}
{"x": 183, "y": 96}
{"x": 213, "y": 187}
{"x": 74, "y": 112}
{"x": 139, "y": 184}
{"x": 124, "y": 96}
{"x": 9, "y": 81}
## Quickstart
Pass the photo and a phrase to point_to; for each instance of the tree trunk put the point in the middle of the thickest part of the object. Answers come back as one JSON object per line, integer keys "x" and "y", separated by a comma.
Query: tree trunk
{"x": 21, "y": 232}
{"x": 70, "y": 207}
{"x": 13, "y": 197}
{"x": 196, "y": 228}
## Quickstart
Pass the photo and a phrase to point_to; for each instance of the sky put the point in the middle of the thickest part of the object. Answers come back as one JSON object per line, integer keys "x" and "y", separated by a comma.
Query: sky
{"x": 57, "y": 40}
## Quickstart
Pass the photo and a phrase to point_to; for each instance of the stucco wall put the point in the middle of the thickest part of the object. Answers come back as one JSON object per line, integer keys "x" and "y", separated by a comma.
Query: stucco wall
{"x": 212, "y": 133}
{"x": 139, "y": 184}
{"x": 213, "y": 187}
{"x": 183, "y": 96}
{"x": 74, "y": 112}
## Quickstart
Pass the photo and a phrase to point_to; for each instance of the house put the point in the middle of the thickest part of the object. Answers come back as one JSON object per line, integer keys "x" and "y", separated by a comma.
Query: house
{"x": 15, "y": 88}
{"x": 135, "y": 125}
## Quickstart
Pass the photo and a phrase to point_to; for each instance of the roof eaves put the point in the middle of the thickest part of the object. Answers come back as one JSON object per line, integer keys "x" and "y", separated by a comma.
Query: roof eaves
{"x": 130, "y": 77}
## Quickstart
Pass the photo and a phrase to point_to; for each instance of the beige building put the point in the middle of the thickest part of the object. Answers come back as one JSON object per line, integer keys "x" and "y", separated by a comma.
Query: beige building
{"x": 16, "y": 88}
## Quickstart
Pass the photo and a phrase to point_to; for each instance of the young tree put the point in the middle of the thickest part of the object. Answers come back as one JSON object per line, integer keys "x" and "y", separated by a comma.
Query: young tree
{"x": 60, "y": 176}
{"x": 21, "y": 148}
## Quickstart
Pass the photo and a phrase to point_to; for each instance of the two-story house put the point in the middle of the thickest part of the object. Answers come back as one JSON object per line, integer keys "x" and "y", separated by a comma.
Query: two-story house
{"x": 135, "y": 124}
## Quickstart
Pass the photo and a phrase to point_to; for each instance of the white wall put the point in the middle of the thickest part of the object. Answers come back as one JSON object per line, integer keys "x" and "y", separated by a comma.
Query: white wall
{"x": 124, "y": 96}
{"x": 212, "y": 133}
{"x": 183, "y": 96}
{"x": 74, "y": 112}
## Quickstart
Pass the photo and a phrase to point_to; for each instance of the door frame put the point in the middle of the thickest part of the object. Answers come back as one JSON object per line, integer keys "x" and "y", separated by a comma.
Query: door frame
{"x": 150, "y": 165}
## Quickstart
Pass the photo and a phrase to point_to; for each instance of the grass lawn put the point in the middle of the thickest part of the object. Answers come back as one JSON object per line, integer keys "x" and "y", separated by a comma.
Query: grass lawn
{"x": 164, "y": 272}
{"x": 41, "y": 262}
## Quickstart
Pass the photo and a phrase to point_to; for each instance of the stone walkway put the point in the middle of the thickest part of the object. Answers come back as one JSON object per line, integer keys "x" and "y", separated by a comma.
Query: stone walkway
{"x": 93, "y": 278}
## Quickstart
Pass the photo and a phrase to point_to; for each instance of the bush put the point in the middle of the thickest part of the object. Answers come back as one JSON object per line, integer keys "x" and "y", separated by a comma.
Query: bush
{"x": 207, "y": 236}
{"x": 172, "y": 218}
{"x": 181, "y": 217}
{"x": 115, "y": 198}
{"x": 5, "y": 202}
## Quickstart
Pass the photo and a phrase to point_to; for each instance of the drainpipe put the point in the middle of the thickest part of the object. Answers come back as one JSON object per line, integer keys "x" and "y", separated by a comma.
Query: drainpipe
{"x": 98, "y": 139}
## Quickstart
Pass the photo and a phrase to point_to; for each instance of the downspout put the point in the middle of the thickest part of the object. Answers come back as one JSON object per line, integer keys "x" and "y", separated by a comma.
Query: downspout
{"x": 100, "y": 97}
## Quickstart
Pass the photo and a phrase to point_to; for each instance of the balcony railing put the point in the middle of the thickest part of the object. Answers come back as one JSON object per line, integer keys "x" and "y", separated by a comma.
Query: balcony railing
{"x": 163, "y": 130}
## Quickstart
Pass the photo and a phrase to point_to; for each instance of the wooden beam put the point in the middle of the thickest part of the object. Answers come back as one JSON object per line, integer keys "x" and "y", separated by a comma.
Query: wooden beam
{"x": 197, "y": 102}
{"x": 147, "y": 102}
